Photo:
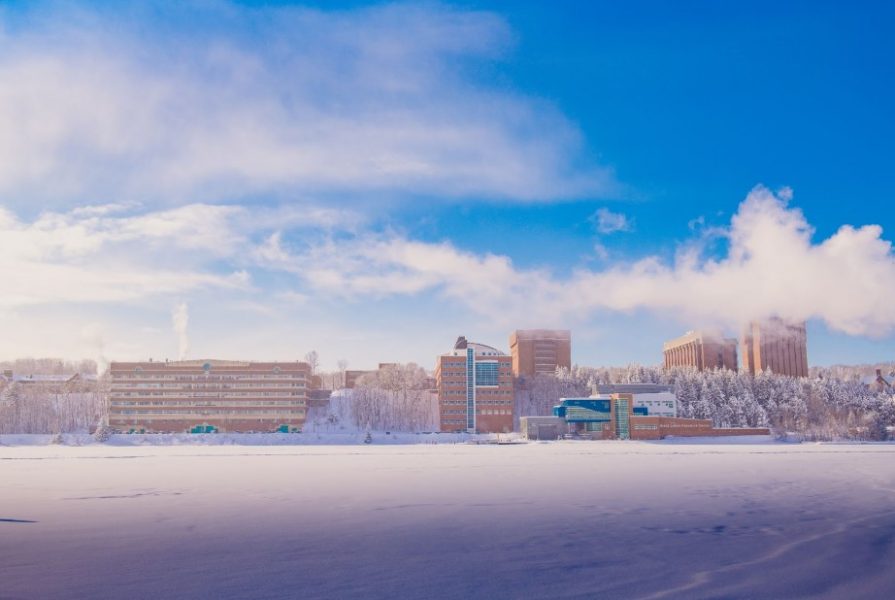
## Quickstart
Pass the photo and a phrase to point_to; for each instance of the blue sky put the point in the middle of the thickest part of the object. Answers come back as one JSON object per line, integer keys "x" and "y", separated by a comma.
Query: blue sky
{"x": 373, "y": 180}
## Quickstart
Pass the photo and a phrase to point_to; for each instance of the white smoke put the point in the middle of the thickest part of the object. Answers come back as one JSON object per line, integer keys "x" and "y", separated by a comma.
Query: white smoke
{"x": 180, "y": 318}
{"x": 93, "y": 337}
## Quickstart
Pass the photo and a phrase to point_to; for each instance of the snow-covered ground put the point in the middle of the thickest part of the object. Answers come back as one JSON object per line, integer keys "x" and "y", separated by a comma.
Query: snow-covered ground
{"x": 537, "y": 520}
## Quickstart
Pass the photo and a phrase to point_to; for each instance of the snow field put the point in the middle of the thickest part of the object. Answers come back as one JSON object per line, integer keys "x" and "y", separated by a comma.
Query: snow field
{"x": 557, "y": 520}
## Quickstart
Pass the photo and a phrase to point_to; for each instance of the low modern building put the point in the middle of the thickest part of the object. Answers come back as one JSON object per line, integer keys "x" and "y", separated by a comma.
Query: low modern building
{"x": 543, "y": 428}
{"x": 475, "y": 388}
{"x": 540, "y": 351}
{"x": 701, "y": 350}
{"x": 206, "y": 396}
{"x": 777, "y": 346}
{"x": 619, "y": 416}
{"x": 659, "y": 404}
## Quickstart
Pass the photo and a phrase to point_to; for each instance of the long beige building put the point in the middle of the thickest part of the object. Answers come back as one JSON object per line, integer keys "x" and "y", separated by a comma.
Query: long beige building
{"x": 776, "y": 345}
{"x": 205, "y": 396}
{"x": 702, "y": 351}
{"x": 537, "y": 351}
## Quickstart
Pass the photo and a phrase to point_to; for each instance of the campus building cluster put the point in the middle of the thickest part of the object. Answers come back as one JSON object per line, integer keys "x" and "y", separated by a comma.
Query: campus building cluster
{"x": 771, "y": 345}
{"x": 475, "y": 383}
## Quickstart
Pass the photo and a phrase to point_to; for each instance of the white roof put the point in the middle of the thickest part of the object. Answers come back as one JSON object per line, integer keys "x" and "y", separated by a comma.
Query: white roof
{"x": 480, "y": 350}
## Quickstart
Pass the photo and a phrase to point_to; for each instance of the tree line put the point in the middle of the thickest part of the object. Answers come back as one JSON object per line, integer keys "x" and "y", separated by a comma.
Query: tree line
{"x": 833, "y": 403}
{"x": 825, "y": 406}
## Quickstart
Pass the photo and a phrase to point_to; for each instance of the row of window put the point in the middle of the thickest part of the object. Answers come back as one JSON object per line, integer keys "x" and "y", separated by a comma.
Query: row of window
{"x": 204, "y": 385}
{"x": 504, "y": 370}
{"x": 501, "y": 380}
{"x": 204, "y": 376}
{"x": 479, "y": 392}
{"x": 505, "y": 401}
{"x": 241, "y": 413}
{"x": 174, "y": 394}
{"x": 482, "y": 411}
{"x": 200, "y": 403}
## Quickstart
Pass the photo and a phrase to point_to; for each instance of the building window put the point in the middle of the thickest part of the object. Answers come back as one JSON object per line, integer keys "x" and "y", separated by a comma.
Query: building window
{"x": 486, "y": 373}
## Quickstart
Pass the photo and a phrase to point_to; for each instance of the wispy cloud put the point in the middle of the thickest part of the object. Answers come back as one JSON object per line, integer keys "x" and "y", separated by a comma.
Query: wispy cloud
{"x": 124, "y": 103}
{"x": 607, "y": 222}
{"x": 71, "y": 257}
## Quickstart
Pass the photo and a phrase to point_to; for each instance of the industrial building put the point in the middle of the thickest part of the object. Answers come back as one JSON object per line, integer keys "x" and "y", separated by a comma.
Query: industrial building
{"x": 475, "y": 388}
{"x": 621, "y": 416}
{"x": 540, "y": 351}
{"x": 777, "y": 346}
{"x": 351, "y": 377}
{"x": 701, "y": 350}
{"x": 207, "y": 396}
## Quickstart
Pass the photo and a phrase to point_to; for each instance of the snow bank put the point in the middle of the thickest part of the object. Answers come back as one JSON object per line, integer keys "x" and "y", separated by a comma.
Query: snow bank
{"x": 260, "y": 439}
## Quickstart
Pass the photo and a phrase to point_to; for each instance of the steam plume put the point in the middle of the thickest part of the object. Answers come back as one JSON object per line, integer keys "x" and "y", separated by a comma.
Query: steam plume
{"x": 180, "y": 318}
{"x": 93, "y": 336}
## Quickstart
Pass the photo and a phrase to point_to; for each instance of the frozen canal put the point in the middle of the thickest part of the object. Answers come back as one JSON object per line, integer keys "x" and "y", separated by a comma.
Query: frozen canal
{"x": 551, "y": 520}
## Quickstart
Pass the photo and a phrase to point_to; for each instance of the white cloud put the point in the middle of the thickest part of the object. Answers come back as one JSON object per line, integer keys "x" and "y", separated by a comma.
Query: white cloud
{"x": 237, "y": 257}
{"x": 272, "y": 101}
{"x": 772, "y": 269}
{"x": 74, "y": 257}
{"x": 606, "y": 222}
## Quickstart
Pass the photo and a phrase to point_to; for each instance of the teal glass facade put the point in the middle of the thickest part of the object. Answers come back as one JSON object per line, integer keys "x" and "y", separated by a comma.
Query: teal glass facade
{"x": 622, "y": 420}
{"x": 583, "y": 410}
{"x": 487, "y": 373}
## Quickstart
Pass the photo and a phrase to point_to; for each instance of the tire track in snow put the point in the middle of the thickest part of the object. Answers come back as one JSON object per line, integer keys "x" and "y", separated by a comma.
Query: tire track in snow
{"x": 702, "y": 578}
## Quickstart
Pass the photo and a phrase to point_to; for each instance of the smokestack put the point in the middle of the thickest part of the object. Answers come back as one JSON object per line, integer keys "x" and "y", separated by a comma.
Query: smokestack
{"x": 180, "y": 318}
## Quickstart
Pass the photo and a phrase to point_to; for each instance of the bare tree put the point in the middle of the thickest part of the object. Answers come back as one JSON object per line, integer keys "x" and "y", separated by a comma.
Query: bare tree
{"x": 313, "y": 361}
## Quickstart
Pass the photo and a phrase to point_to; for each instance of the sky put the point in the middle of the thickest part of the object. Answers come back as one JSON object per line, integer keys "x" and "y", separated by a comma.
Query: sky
{"x": 256, "y": 180}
